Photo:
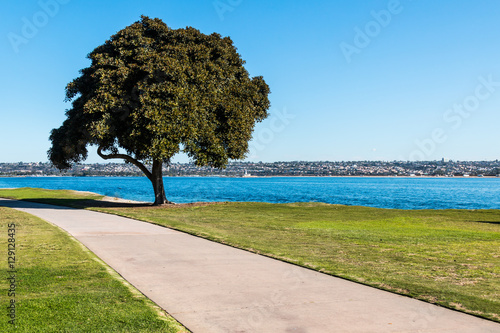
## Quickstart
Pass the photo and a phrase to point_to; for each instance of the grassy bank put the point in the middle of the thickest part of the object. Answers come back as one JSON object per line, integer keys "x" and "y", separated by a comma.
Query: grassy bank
{"x": 54, "y": 197}
{"x": 61, "y": 287}
{"x": 447, "y": 257}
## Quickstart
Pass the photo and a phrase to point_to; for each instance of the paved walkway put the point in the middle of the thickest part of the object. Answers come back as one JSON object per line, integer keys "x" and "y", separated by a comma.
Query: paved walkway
{"x": 210, "y": 287}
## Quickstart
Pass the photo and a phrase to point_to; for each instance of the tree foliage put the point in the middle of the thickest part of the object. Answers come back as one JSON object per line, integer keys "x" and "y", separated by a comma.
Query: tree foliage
{"x": 152, "y": 91}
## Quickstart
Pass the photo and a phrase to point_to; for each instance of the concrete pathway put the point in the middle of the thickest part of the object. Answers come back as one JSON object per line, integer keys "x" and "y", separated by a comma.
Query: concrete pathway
{"x": 210, "y": 287}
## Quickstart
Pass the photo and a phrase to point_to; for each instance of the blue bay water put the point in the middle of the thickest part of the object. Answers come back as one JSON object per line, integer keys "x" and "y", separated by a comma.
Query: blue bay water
{"x": 383, "y": 192}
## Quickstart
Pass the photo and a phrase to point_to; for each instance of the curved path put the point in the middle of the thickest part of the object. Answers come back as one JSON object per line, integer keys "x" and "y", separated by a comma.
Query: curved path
{"x": 210, "y": 287}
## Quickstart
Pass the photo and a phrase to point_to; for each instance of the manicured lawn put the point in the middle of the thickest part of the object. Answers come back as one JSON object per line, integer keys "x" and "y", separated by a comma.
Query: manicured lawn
{"x": 60, "y": 286}
{"x": 53, "y": 197}
{"x": 447, "y": 257}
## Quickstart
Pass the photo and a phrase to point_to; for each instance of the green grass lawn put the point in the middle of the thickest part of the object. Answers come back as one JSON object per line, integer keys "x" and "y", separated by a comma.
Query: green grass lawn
{"x": 63, "y": 287}
{"x": 446, "y": 257}
{"x": 54, "y": 197}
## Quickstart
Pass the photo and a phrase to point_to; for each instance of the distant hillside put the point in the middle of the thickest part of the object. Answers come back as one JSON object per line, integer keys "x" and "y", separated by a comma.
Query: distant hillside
{"x": 297, "y": 168}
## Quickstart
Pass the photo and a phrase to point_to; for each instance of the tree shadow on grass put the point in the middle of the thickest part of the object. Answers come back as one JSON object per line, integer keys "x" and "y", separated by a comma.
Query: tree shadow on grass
{"x": 63, "y": 203}
{"x": 489, "y": 222}
{"x": 90, "y": 203}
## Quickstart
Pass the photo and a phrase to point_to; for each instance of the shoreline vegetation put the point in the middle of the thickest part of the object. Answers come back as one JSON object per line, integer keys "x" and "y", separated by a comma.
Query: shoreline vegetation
{"x": 446, "y": 257}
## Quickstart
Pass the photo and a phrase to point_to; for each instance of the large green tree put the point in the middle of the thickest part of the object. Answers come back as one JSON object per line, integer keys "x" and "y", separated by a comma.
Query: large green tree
{"x": 151, "y": 92}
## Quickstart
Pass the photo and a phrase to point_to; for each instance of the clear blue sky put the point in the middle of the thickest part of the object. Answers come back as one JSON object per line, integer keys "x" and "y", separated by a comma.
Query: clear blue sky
{"x": 350, "y": 80}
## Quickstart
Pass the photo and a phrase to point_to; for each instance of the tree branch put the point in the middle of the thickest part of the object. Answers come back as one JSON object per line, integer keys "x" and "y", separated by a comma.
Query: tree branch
{"x": 128, "y": 159}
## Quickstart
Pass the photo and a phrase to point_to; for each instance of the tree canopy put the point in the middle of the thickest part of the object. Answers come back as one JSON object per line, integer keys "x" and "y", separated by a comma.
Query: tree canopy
{"x": 152, "y": 91}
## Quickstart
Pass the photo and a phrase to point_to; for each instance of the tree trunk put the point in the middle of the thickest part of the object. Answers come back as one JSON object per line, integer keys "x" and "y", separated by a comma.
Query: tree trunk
{"x": 155, "y": 176}
{"x": 157, "y": 181}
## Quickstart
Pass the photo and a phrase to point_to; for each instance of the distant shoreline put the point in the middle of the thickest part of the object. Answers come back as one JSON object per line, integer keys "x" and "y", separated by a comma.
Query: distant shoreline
{"x": 276, "y": 169}
{"x": 270, "y": 176}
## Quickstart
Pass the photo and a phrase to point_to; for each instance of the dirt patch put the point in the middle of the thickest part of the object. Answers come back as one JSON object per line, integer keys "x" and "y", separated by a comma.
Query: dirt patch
{"x": 120, "y": 200}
